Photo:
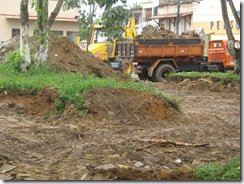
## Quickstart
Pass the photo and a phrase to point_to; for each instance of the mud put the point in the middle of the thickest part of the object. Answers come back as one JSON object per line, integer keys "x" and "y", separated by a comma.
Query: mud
{"x": 95, "y": 146}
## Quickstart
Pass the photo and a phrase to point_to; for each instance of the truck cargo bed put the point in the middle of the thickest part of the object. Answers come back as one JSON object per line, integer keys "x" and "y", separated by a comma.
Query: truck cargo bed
{"x": 160, "y": 48}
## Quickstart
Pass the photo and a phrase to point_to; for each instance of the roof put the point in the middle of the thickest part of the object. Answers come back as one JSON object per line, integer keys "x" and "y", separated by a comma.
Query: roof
{"x": 170, "y": 15}
{"x": 31, "y": 17}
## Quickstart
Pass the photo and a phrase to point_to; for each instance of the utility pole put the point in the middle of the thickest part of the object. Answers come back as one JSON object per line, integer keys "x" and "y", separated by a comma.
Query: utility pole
{"x": 178, "y": 17}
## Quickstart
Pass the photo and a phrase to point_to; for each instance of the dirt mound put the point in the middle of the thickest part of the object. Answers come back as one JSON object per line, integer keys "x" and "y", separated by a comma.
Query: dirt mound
{"x": 151, "y": 32}
{"x": 8, "y": 46}
{"x": 125, "y": 105}
{"x": 64, "y": 54}
{"x": 28, "y": 103}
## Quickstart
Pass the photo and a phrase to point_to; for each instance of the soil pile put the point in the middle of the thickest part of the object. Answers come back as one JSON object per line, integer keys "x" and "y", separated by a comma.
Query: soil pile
{"x": 29, "y": 103}
{"x": 126, "y": 105}
{"x": 8, "y": 46}
{"x": 65, "y": 55}
{"x": 151, "y": 32}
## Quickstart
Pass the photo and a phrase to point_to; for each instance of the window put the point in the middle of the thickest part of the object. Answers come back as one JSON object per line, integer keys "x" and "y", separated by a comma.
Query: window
{"x": 57, "y": 33}
{"x": 148, "y": 13}
{"x": 73, "y": 35}
{"x": 217, "y": 45}
{"x": 15, "y": 32}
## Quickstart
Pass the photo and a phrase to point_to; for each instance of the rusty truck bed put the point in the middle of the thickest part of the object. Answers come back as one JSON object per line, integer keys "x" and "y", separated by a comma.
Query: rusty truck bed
{"x": 160, "y": 48}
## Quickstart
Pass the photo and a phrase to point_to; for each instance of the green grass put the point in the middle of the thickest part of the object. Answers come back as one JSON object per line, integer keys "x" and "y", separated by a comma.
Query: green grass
{"x": 216, "y": 171}
{"x": 214, "y": 75}
{"x": 71, "y": 87}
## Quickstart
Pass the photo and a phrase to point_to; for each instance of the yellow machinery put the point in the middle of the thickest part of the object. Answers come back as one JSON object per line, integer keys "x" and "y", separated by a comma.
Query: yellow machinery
{"x": 101, "y": 48}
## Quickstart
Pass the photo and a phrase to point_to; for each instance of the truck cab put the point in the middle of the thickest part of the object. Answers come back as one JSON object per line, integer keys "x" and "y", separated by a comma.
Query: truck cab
{"x": 218, "y": 54}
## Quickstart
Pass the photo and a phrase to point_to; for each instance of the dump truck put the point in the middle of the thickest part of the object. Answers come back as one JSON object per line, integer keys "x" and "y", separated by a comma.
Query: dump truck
{"x": 156, "y": 58}
{"x": 103, "y": 49}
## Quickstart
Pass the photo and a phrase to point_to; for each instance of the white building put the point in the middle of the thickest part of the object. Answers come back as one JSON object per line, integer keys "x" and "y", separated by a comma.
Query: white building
{"x": 65, "y": 23}
{"x": 207, "y": 16}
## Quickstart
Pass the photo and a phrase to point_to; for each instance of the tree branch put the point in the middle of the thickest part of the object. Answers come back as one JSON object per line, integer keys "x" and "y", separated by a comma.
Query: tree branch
{"x": 54, "y": 14}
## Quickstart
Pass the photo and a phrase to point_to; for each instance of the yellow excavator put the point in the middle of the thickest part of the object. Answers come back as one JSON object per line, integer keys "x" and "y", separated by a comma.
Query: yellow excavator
{"x": 101, "y": 48}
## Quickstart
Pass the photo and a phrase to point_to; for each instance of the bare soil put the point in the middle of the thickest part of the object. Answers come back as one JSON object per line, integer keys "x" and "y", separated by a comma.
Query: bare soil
{"x": 65, "y": 55}
{"x": 122, "y": 135}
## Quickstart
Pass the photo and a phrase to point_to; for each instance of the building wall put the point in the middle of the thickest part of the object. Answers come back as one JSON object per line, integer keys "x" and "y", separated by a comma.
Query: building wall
{"x": 207, "y": 16}
{"x": 10, "y": 19}
{"x": 169, "y": 22}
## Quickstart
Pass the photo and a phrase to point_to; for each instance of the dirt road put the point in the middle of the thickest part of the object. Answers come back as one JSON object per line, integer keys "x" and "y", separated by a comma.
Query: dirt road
{"x": 41, "y": 145}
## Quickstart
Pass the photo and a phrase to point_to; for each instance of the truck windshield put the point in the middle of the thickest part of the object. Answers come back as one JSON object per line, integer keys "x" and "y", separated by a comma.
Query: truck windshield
{"x": 99, "y": 36}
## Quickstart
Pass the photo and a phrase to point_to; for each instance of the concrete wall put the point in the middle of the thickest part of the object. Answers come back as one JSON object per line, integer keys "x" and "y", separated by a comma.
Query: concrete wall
{"x": 185, "y": 19}
{"x": 10, "y": 19}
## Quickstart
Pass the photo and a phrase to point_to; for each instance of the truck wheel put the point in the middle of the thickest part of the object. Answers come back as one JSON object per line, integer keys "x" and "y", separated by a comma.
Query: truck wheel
{"x": 161, "y": 72}
{"x": 143, "y": 75}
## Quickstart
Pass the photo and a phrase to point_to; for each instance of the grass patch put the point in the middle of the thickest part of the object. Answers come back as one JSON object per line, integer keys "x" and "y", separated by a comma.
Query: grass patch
{"x": 216, "y": 171}
{"x": 228, "y": 76}
{"x": 71, "y": 87}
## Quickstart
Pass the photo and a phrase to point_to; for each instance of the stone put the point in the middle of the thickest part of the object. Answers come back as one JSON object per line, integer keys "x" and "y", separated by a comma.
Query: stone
{"x": 139, "y": 164}
{"x": 106, "y": 167}
{"x": 6, "y": 168}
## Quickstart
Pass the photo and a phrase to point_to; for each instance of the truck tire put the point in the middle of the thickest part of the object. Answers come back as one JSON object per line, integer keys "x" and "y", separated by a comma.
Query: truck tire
{"x": 143, "y": 75}
{"x": 161, "y": 71}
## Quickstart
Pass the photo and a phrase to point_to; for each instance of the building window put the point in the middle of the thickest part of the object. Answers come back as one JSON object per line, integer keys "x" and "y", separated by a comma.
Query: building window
{"x": 57, "y": 33}
{"x": 148, "y": 13}
{"x": 15, "y": 32}
{"x": 72, "y": 35}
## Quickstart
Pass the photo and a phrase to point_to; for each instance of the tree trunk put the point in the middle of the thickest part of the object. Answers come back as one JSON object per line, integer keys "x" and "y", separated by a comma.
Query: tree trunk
{"x": 42, "y": 18}
{"x": 44, "y": 27}
{"x": 24, "y": 38}
{"x": 231, "y": 39}
{"x": 54, "y": 14}
{"x": 234, "y": 12}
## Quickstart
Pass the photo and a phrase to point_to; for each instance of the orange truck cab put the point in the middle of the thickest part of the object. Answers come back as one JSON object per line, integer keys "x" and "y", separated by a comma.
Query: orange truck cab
{"x": 218, "y": 54}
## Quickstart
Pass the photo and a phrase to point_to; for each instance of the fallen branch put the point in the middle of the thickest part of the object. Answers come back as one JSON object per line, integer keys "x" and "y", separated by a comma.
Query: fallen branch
{"x": 164, "y": 141}
{"x": 136, "y": 108}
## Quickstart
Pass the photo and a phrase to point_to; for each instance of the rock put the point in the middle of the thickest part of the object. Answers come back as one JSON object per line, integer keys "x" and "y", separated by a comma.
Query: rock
{"x": 106, "y": 167}
{"x": 3, "y": 177}
{"x": 229, "y": 85}
{"x": 178, "y": 161}
{"x": 11, "y": 105}
{"x": 6, "y": 168}
{"x": 121, "y": 166}
{"x": 139, "y": 164}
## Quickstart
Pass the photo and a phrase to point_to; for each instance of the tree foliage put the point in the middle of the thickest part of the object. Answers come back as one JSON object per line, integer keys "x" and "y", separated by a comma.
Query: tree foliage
{"x": 114, "y": 20}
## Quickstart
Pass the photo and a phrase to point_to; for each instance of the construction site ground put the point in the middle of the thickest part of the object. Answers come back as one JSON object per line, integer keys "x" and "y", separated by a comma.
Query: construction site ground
{"x": 41, "y": 144}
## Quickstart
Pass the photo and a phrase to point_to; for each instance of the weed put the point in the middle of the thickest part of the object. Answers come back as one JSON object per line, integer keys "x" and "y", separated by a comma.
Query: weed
{"x": 71, "y": 87}
{"x": 217, "y": 171}
{"x": 228, "y": 76}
